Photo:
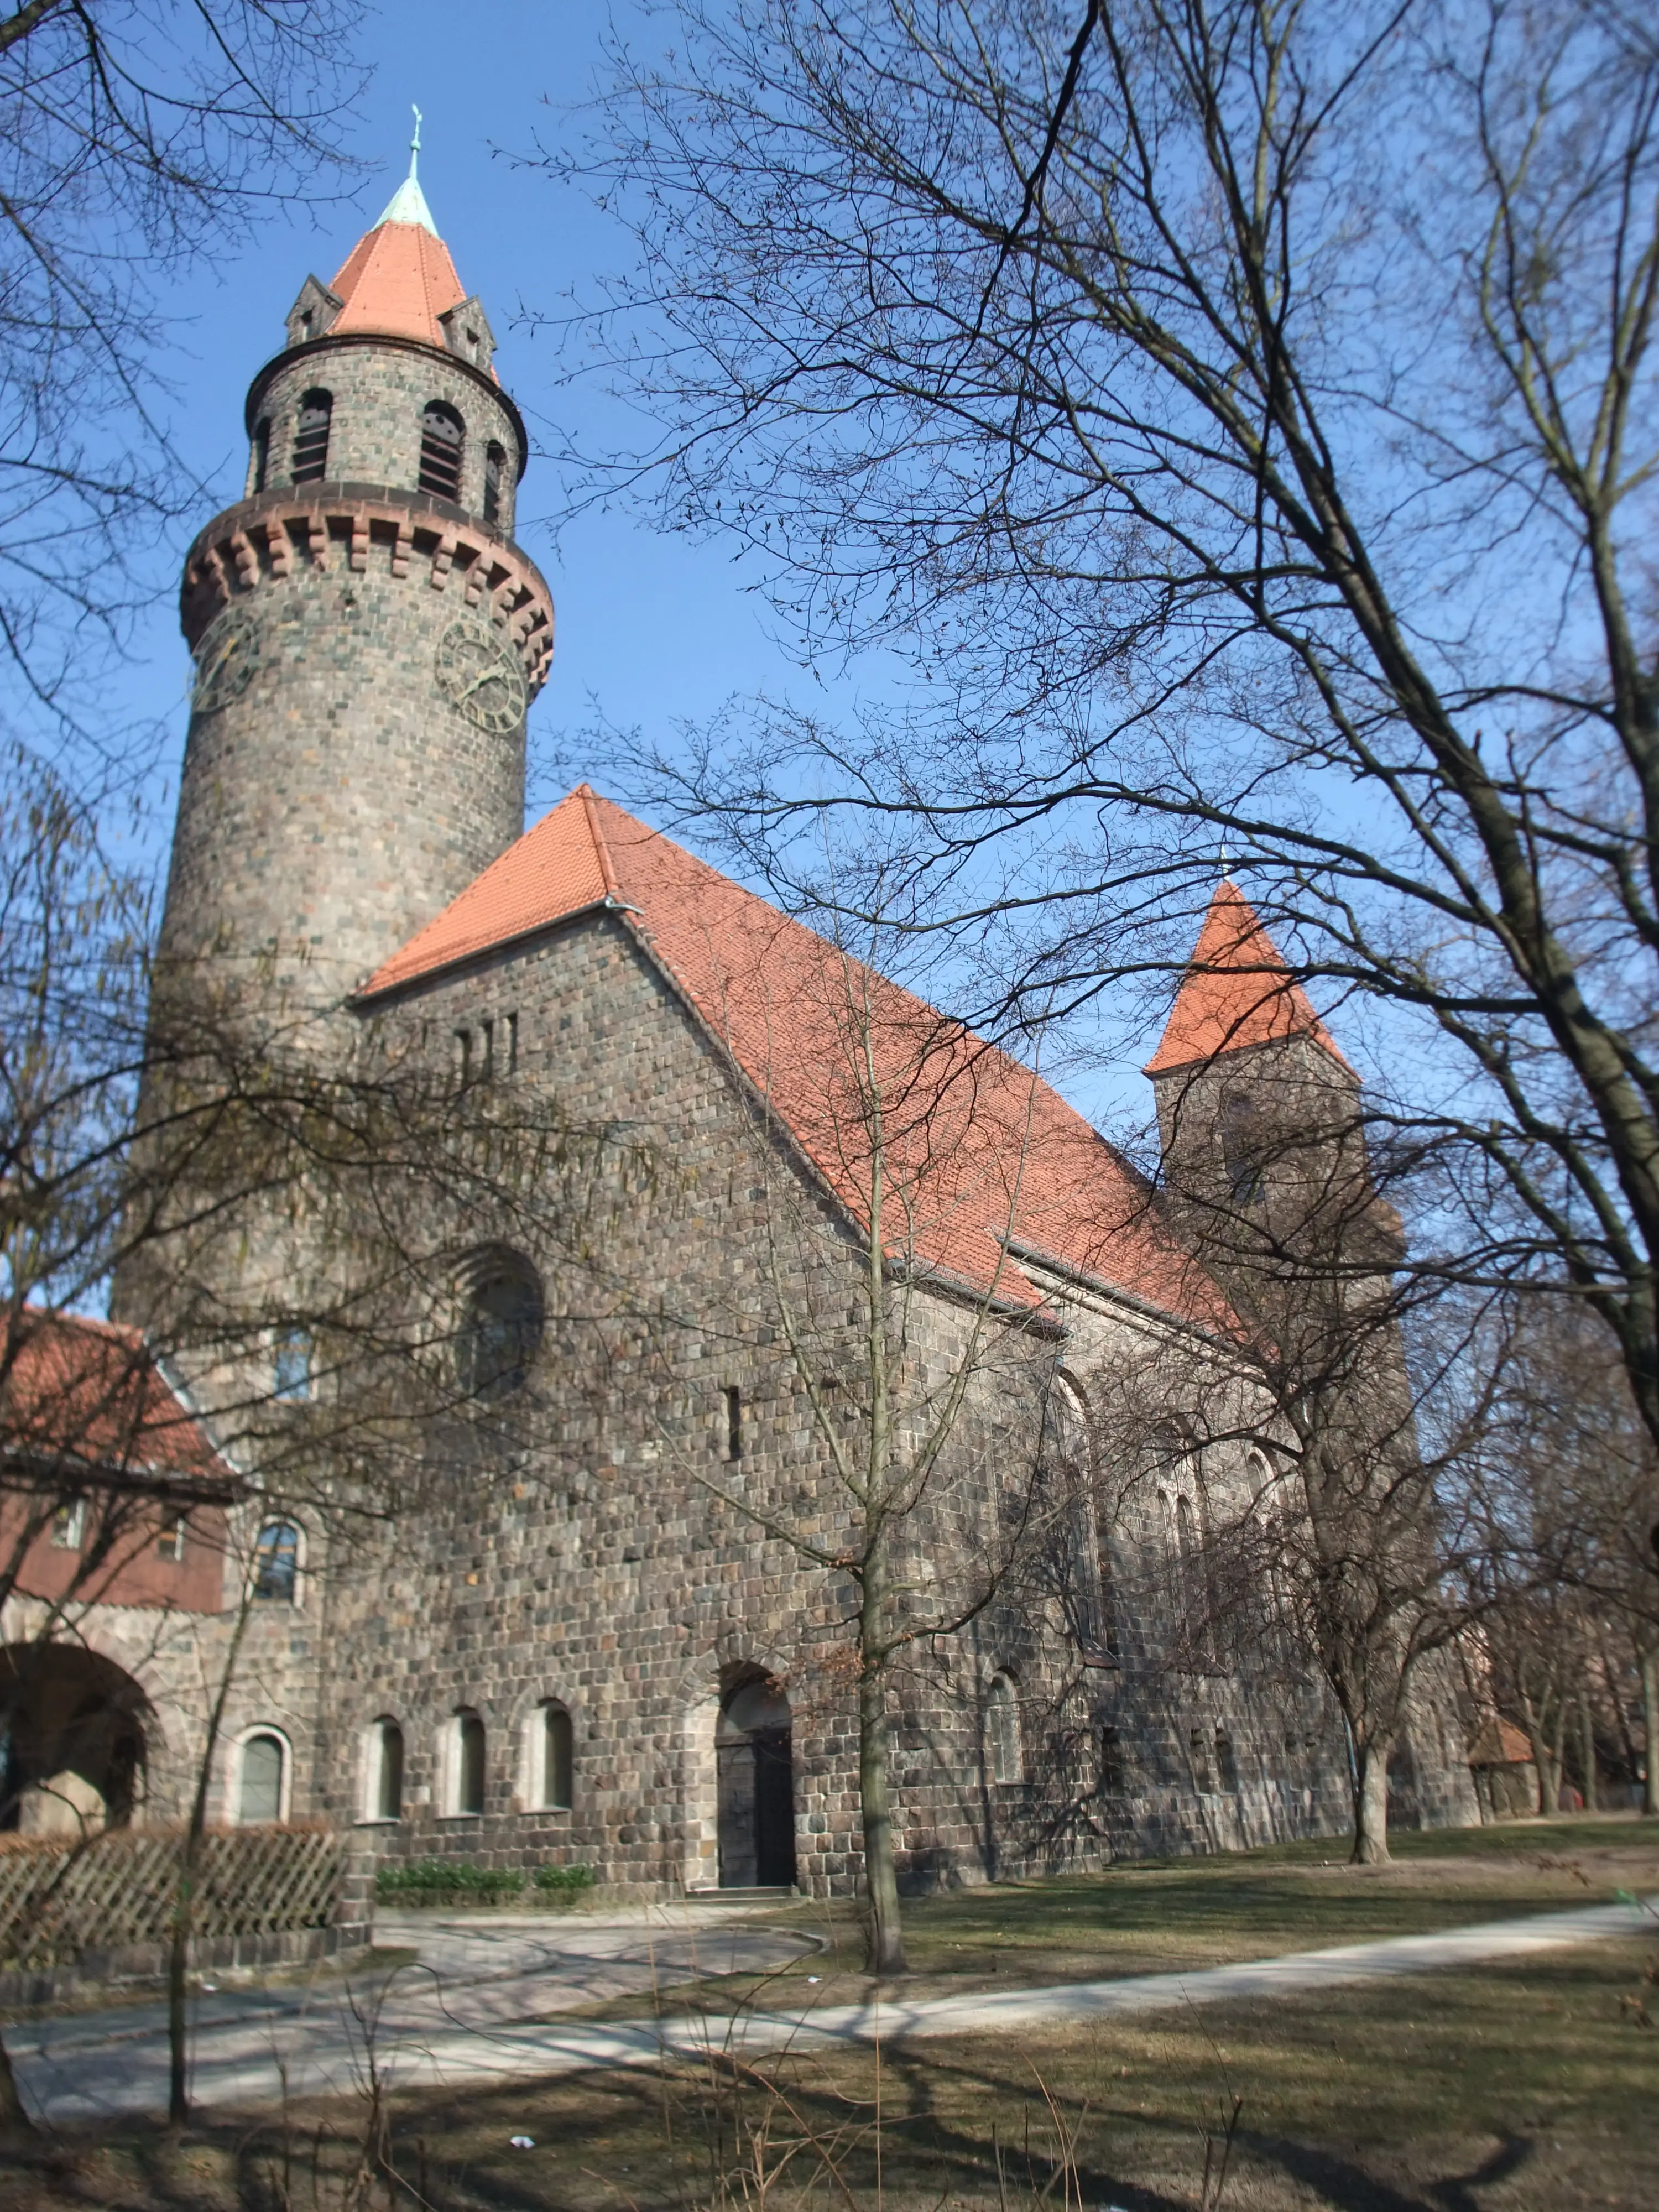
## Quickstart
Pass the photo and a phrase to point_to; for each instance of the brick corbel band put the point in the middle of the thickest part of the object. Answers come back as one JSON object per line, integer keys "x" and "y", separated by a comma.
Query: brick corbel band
{"x": 270, "y": 536}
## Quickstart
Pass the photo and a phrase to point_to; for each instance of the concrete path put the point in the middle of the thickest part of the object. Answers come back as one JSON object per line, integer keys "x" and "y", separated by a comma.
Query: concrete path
{"x": 491, "y": 2030}
{"x": 475, "y": 1978}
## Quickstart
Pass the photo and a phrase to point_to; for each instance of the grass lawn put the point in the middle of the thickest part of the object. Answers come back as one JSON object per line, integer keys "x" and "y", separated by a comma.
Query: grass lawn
{"x": 1155, "y": 1915}
{"x": 1531, "y": 2086}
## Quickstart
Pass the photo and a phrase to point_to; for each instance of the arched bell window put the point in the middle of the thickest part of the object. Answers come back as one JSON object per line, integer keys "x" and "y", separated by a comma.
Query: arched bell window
{"x": 443, "y": 445}
{"x": 311, "y": 430}
{"x": 501, "y": 1330}
{"x": 1241, "y": 1147}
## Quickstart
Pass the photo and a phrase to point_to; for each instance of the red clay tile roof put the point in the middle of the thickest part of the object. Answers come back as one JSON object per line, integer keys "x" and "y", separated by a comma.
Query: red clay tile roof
{"x": 1499, "y": 1743}
{"x": 1236, "y": 992}
{"x": 87, "y": 1392}
{"x": 977, "y": 1145}
{"x": 398, "y": 278}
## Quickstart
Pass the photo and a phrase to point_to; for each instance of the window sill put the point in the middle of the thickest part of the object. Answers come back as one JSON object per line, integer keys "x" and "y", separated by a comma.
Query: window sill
{"x": 461, "y": 1816}
{"x": 541, "y": 1812}
{"x": 381, "y": 1821}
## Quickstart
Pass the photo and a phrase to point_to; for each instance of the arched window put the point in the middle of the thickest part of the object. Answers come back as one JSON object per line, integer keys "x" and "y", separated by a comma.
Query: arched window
{"x": 558, "y": 1757}
{"x": 258, "y": 467}
{"x": 501, "y": 1330}
{"x": 1241, "y": 1147}
{"x": 385, "y": 1793}
{"x": 1201, "y": 1759}
{"x": 1002, "y": 1730}
{"x": 443, "y": 442}
{"x": 495, "y": 482}
{"x": 264, "y": 1770}
{"x": 311, "y": 437}
{"x": 291, "y": 1371}
{"x": 1226, "y": 1765}
{"x": 277, "y": 1563}
{"x": 469, "y": 1763}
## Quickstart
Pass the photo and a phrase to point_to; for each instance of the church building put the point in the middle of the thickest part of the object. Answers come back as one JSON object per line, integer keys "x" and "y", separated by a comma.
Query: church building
{"x": 615, "y": 1630}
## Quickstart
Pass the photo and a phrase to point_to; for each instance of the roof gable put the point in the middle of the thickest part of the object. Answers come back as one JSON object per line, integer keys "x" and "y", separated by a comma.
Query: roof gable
{"x": 1236, "y": 992}
{"x": 977, "y": 1146}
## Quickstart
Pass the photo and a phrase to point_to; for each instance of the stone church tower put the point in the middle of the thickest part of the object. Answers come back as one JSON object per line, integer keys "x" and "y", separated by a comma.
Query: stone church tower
{"x": 366, "y": 634}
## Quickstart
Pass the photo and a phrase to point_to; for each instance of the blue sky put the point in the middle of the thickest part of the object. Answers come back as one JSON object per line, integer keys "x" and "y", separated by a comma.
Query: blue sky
{"x": 650, "y": 628}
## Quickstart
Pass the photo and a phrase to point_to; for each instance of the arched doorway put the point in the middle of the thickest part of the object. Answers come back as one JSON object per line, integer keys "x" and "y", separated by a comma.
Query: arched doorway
{"x": 72, "y": 1740}
{"x": 754, "y": 1752}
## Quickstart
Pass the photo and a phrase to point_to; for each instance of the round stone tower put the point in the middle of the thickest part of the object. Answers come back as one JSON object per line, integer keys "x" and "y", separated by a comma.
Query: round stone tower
{"x": 366, "y": 634}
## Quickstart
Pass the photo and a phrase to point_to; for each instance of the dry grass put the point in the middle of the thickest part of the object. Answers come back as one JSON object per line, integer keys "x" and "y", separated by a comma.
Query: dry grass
{"x": 1526, "y": 2087}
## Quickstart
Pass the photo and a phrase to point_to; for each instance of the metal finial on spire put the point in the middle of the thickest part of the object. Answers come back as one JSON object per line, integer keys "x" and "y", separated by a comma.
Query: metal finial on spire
{"x": 408, "y": 204}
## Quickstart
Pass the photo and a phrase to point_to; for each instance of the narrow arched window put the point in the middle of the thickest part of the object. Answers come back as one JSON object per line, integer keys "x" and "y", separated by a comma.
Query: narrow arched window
{"x": 277, "y": 1563}
{"x": 443, "y": 441}
{"x": 311, "y": 430}
{"x": 469, "y": 1764}
{"x": 1226, "y": 1765}
{"x": 495, "y": 482}
{"x": 260, "y": 1797}
{"x": 558, "y": 1758}
{"x": 387, "y": 1802}
{"x": 501, "y": 1325}
{"x": 259, "y": 460}
{"x": 1241, "y": 1147}
{"x": 1002, "y": 1730}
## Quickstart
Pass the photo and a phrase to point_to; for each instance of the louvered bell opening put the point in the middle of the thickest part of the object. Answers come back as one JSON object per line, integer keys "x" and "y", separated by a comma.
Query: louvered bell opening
{"x": 311, "y": 437}
{"x": 442, "y": 439}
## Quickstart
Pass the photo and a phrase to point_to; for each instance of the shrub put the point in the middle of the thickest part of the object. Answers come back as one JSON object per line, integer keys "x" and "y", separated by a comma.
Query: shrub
{"x": 444, "y": 1878}
{"x": 568, "y": 1880}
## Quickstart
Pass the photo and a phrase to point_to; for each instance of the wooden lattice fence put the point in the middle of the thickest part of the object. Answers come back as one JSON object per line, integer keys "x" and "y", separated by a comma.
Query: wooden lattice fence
{"x": 59, "y": 1899}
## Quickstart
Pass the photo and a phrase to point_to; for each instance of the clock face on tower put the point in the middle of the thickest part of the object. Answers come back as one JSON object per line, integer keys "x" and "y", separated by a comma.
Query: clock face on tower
{"x": 477, "y": 670}
{"x": 228, "y": 656}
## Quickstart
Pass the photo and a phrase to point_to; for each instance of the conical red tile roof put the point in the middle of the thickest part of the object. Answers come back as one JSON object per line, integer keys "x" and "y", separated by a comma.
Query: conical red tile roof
{"x": 980, "y": 1152}
{"x": 1236, "y": 992}
{"x": 397, "y": 280}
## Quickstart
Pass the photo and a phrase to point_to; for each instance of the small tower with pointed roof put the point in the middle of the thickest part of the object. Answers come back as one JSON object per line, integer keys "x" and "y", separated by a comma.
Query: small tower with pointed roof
{"x": 1260, "y": 1115}
{"x": 368, "y": 635}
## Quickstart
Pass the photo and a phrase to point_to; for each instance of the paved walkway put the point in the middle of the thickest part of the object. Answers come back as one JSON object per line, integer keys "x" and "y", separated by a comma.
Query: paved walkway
{"x": 491, "y": 2028}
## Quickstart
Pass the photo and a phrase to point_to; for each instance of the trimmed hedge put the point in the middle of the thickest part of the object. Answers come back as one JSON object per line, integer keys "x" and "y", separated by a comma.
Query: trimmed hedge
{"x": 427, "y": 1879}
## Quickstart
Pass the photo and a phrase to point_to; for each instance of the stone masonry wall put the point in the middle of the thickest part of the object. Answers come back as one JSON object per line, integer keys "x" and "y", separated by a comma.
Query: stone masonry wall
{"x": 379, "y": 392}
{"x": 577, "y": 1558}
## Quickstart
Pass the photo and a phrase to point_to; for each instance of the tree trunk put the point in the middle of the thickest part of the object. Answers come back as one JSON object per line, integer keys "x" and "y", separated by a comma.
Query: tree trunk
{"x": 1587, "y": 1750}
{"x": 1651, "y": 1731}
{"x": 885, "y": 1952}
{"x": 1370, "y": 1804}
{"x": 184, "y": 1897}
{"x": 14, "y": 2118}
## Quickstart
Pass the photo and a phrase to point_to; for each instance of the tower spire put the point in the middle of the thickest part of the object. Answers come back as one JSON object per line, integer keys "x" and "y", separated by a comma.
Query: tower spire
{"x": 408, "y": 204}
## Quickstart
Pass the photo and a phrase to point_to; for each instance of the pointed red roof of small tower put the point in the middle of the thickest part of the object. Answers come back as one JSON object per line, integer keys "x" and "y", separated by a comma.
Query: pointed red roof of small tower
{"x": 1236, "y": 992}
{"x": 399, "y": 277}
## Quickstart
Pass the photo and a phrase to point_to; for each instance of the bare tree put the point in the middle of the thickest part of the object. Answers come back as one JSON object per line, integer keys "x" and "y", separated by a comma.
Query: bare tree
{"x": 136, "y": 135}
{"x": 1240, "y": 416}
{"x": 1565, "y": 1491}
{"x": 888, "y": 1192}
